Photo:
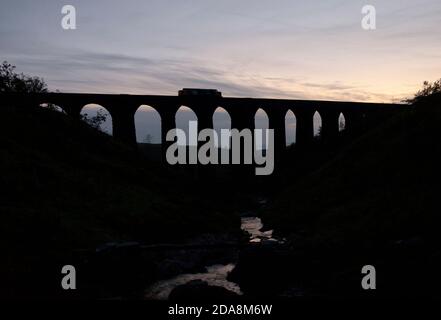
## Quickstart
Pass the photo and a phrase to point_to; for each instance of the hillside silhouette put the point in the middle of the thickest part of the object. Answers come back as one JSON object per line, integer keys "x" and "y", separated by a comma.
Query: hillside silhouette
{"x": 379, "y": 183}
{"x": 68, "y": 186}
{"x": 374, "y": 202}
{"x": 73, "y": 194}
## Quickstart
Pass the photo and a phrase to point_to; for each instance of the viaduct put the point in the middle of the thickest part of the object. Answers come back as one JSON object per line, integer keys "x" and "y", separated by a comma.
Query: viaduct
{"x": 122, "y": 107}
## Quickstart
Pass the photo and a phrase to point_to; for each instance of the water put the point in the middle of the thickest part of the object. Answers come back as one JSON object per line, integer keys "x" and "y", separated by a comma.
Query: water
{"x": 252, "y": 225}
{"x": 216, "y": 275}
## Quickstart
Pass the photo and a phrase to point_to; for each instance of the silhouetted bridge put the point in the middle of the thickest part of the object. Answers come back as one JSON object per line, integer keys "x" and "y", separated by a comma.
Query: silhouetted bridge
{"x": 358, "y": 116}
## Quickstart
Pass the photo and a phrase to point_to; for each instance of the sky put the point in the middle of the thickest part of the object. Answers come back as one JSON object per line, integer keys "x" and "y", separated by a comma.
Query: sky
{"x": 246, "y": 48}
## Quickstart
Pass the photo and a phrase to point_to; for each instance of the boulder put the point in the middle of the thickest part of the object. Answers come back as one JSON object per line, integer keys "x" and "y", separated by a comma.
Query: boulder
{"x": 200, "y": 291}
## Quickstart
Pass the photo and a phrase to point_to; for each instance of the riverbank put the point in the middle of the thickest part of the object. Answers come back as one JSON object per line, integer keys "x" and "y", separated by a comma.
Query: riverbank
{"x": 217, "y": 270}
{"x": 376, "y": 203}
{"x": 70, "y": 188}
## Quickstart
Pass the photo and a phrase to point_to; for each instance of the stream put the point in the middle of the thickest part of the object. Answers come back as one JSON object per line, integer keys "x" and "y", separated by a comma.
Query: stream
{"x": 216, "y": 275}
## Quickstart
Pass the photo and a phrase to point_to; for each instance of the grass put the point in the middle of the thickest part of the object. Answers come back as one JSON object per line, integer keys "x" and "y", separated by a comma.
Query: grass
{"x": 384, "y": 186}
{"x": 69, "y": 185}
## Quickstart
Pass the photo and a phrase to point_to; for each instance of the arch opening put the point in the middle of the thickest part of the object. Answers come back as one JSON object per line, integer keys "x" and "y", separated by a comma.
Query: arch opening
{"x": 147, "y": 125}
{"x": 187, "y": 120}
{"x": 317, "y": 125}
{"x": 261, "y": 121}
{"x": 221, "y": 121}
{"x": 341, "y": 122}
{"x": 290, "y": 128}
{"x": 97, "y": 117}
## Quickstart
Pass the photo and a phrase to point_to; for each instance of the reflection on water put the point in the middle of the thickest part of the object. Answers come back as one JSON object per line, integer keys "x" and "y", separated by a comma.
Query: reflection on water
{"x": 216, "y": 275}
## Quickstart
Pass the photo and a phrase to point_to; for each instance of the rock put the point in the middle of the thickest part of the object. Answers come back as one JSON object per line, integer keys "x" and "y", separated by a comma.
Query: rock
{"x": 414, "y": 242}
{"x": 105, "y": 247}
{"x": 173, "y": 267}
{"x": 269, "y": 242}
{"x": 262, "y": 269}
{"x": 126, "y": 247}
{"x": 292, "y": 293}
{"x": 200, "y": 291}
{"x": 247, "y": 214}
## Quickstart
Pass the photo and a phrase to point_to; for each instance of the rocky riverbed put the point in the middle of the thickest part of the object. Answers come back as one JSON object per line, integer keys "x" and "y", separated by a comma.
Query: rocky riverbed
{"x": 214, "y": 282}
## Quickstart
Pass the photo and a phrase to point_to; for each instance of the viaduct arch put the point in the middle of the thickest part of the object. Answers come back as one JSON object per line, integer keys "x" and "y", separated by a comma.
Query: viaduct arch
{"x": 358, "y": 116}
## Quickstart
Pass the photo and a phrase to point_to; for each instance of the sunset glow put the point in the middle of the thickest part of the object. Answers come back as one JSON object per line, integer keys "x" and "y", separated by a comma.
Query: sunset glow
{"x": 287, "y": 49}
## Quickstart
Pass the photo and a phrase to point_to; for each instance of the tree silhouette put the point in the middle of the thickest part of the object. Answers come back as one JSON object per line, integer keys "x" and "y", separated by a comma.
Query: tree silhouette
{"x": 429, "y": 89}
{"x": 10, "y": 81}
{"x": 96, "y": 121}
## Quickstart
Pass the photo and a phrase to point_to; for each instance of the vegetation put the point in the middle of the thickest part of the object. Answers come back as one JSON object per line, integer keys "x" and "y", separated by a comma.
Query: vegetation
{"x": 96, "y": 121}
{"x": 382, "y": 186}
{"x": 430, "y": 89}
{"x": 10, "y": 81}
{"x": 68, "y": 188}
{"x": 375, "y": 201}
{"x": 89, "y": 186}
{"x": 71, "y": 187}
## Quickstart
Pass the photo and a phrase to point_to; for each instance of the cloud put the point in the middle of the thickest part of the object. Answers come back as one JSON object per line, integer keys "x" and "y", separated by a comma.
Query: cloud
{"x": 92, "y": 71}
{"x": 246, "y": 48}
{"x": 86, "y": 71}
{"x": 100, "y": 72}
{"x": 329, "y": 86}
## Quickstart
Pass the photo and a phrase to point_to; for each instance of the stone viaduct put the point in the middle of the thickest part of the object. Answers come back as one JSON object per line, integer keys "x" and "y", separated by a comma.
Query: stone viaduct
{"x": 122, "y": 107}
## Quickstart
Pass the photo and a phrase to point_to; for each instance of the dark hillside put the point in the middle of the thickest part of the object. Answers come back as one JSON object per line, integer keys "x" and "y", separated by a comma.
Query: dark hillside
{"x": 66, "y": 186}
{"x": 375, "y": 202}
{"x": 384, "y": 186}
